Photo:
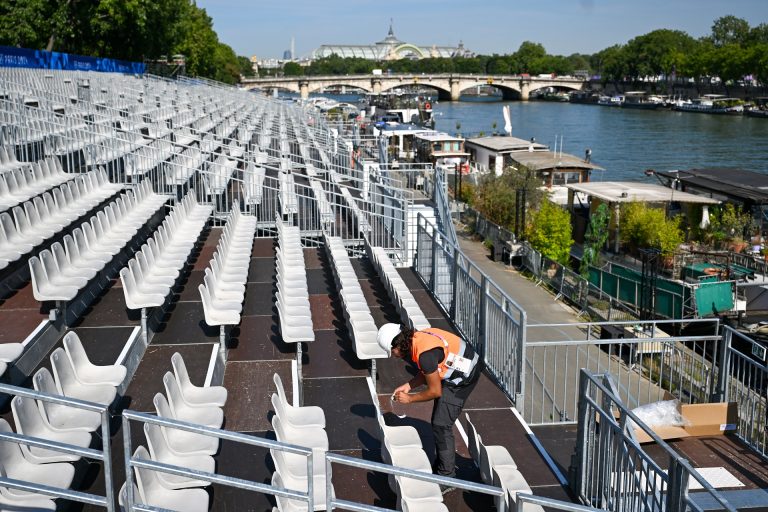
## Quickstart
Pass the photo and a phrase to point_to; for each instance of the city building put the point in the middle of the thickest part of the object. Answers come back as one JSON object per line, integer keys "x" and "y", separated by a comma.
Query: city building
{"x": 391, "y": 48}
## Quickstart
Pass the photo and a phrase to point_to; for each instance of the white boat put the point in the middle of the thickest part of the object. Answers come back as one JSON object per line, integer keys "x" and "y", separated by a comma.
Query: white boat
{"x": 611, "y": 101}
{"x": 712, "y": 104}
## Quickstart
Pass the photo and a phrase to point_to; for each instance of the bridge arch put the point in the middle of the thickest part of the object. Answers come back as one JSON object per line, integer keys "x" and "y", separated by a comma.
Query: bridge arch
{"x": 558, "y": 87}
{"x": 442, "y": 92}
{"x": 317, "y": 88}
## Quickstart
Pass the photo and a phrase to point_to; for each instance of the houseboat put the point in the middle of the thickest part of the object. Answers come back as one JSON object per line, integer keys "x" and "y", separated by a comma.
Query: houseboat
{"x": 642, "y": 100}
{"x": 442, "y": 151}
{"x": 712, "y": 104}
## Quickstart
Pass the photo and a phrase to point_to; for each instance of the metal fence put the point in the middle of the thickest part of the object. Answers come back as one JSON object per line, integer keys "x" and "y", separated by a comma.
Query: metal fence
{"x": 336, "y": 503}
{"x": 613, "y": 472}
{"x": 104, "y": 456}
{"x": 647, "y": 363}
{"x": 133, "y": 502}
{"x": 745, "y": 381}
{"x": 491, "y": 321}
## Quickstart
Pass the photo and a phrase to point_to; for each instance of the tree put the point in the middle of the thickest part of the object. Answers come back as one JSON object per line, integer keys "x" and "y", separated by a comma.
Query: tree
{"x": 549, "y": 232}
{"x": 528, "y": 53}
{"x": 643, "y": 226}
{"x": 495, "y": 196}
{"x": 292, "y": 69}
{"x": 730, "y": 30}
{"x": 246, "y": 68}
{"x": 595, "y": 238}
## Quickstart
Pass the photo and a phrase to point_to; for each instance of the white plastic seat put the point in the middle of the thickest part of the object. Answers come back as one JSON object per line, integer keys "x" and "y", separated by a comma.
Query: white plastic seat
{"x": 215, "y": 315}
{"x": 135, "y": 298}
{"x": 9, "y": 352}
{"x": 197, "y": 396}
{"x": 210, "y": 416}
{"x": 43, "y": 289}
{"x": 29, "y": 422}
{"x": 182, "y": 442}
{"x": 161, "y": 452}
{"x": 16, "y": 466}
{"x": 60, "y": 416}
{"x": 222, "y": 298}
{"x": 68, "y": 385}
{"x": 152, "y": 492}
{"x": 308, "y": 415}
{"x": 403, "y": 436}
{"x": 60, "y": 276}
{"x": 30, "y": 503}
{"x": 87, "y": 372}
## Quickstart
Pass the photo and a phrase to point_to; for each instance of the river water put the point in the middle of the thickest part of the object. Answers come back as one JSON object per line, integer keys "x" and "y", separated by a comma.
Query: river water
{"x": 623, "y": 141}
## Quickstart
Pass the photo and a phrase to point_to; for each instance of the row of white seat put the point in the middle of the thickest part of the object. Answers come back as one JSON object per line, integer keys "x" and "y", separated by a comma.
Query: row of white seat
{"x": 187, "y": 402}
{"x": 151, "y": 273}
{"x": 59, "y": 273}
{"x": 223, "y": 288}
{"x": 9, "y": 161}
{"x": 24, "y": 183}
{"x": 218, "y": 174}
{"x": 302, "y": 426}
{"x": 409, "y": 310}
{"x": 289, "y": 201}
{"x": 35, "y": 221}
{"x": 401, "y": 447}
{"x": 498, "y": 468}
{"x": 75, "y": 377}
{"x": 362, "y": 327}
{"x": 292, "y": 298}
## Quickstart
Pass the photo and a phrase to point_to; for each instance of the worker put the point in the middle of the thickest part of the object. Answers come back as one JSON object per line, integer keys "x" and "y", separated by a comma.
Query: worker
{"x": 449, "y": 368}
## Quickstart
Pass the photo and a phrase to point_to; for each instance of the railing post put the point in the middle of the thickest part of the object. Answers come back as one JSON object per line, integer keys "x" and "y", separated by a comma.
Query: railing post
{"x": 483, "y": 314}
{"x": 677, "y": 488}
{"x": 106, "y": 449}
{"x": 127, "y": 454}
{"x": 454, "y": 281}
{"x": 433, "y": 277}
{"x": 721, "y": 394}
{"x": 583, "y": 444}
{"x": 521, "y": 349}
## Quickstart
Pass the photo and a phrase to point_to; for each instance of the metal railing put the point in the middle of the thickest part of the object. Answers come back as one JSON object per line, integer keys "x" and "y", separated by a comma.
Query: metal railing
{"x": 489, "y": 319}
{"x": 335, "y": 503}
{"x": 745, "y": 381}
{"x": 522, "y": 498}
{"x": 648, "y": 363}
{"x": 228, "y": 481}
{"x": 104, "y": 455}
{"x": 613, "y": 472}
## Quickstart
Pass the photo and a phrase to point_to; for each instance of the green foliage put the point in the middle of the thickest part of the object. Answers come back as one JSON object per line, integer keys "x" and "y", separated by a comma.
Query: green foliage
{"x": 122, "y": 29}
{"x": 595, "y": 238}
{"x": 292, "y": 69}
{"x": 495, "y": 196}
{"x": 726, "y": 223}
{"x": 549, "y": 232}
{"x": 642, "y": 226}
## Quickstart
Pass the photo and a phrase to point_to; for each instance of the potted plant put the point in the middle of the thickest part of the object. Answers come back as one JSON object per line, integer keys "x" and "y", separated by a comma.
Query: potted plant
{"x": 733, "y": 223}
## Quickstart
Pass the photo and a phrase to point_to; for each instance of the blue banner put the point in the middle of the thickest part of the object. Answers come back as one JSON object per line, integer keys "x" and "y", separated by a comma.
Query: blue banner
{"x": 26, "y": 58}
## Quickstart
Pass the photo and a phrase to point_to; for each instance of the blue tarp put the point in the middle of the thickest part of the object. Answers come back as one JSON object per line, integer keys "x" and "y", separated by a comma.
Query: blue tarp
{"x": 26, "y": 58}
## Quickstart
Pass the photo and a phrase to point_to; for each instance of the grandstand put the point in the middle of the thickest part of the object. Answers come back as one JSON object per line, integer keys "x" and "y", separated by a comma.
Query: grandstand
{"x": 191, "y": 280}
{"x": 181, "y": 249}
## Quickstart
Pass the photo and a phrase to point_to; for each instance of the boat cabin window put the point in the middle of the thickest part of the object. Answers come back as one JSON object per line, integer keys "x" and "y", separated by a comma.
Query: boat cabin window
{"x": 563, "y": 178}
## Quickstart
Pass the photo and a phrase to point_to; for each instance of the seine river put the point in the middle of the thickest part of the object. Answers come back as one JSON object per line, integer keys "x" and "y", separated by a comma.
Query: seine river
{"x": 623, "y": 141}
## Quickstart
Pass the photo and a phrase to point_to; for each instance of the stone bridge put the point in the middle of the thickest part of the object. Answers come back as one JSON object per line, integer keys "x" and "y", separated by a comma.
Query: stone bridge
{"x": 448, "y": 86}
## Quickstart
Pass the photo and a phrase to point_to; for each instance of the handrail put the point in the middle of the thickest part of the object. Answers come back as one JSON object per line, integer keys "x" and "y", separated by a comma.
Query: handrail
{"x": 104, "y": 456}
{"x": 131, "y": 462}
{"x": 331, "y": 502}
{"x": 552, "y": 504}
{"x": 679, "y": 467}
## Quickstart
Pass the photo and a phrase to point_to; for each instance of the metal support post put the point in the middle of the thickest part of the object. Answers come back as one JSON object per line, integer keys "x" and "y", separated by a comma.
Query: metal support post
{"x": 106, "y": 449}
{"x": 129, "y": 486}
{"x": 373, "y": 373}
{"x": 454, "y": 282}
{"x": 300, "y": 383}
{"x": 483, "y": 313}
{"x": 144, "y": 326}
{"x": 721, "y": 394}
{"x": 433, "y": 277}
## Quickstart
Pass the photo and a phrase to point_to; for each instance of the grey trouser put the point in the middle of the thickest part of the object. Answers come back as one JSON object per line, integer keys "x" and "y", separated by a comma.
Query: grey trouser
{"x": 445, "y": 412}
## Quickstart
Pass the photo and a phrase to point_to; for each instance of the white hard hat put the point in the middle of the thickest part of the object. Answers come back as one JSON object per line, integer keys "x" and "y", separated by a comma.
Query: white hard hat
{"x": 386, "y": 334}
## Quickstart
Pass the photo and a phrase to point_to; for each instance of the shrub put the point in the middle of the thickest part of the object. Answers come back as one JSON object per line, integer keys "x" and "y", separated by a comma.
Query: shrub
{"x": 643, "y": 226}
{"x": 549, "y": 232}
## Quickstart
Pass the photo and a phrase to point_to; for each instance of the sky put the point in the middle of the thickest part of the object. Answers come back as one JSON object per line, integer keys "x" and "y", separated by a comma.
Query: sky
{"x": 264, "y": 27}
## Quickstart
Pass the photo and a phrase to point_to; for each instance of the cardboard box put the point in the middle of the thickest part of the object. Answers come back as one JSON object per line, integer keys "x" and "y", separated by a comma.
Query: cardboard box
{"x": 703, "y": 420}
